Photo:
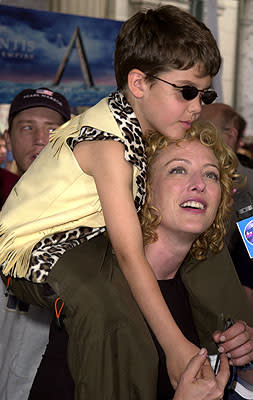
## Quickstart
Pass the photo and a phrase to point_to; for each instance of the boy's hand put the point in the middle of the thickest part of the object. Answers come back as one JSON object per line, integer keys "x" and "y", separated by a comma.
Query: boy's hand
{"x": 236, "y": 342}
{"x": 178, "y": 361}
{"x": 197, "y": 381}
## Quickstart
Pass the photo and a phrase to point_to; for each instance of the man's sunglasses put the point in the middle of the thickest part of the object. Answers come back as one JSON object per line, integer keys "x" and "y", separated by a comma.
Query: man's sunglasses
{"x": 191, "y": 92}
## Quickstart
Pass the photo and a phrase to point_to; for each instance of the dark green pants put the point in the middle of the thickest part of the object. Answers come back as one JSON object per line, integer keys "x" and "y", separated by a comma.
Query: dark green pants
{"x": 111, "y": 354}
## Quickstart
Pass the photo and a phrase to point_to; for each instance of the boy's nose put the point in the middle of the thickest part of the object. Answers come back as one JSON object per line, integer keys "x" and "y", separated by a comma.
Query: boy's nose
{"x": 195, "y": 105}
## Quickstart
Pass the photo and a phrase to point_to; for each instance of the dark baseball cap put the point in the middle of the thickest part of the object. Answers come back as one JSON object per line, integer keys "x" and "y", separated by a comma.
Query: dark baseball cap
{"x": 41, "y": 97}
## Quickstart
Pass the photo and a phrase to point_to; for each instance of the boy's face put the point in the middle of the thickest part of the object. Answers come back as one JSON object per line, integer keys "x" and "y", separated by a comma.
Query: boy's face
{"x": 161, "y": 107}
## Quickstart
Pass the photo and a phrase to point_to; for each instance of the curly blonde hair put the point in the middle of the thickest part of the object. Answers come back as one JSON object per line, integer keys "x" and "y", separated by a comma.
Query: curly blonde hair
{"x": 207, "y": 134}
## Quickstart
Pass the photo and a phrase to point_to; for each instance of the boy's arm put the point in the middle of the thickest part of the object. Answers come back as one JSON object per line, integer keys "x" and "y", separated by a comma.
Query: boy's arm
{"x": 113, "y": 176}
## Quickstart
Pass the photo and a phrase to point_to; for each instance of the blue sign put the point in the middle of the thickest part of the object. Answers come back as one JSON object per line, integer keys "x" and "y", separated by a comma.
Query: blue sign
{"x": 246, "y": 230}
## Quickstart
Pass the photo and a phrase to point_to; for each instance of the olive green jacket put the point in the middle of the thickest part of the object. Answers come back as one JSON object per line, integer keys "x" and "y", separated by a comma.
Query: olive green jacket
{"x": 215, "y": 294}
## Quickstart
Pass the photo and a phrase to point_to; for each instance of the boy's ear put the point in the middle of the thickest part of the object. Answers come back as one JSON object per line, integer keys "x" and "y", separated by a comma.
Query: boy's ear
{"x": 137, "y": 83}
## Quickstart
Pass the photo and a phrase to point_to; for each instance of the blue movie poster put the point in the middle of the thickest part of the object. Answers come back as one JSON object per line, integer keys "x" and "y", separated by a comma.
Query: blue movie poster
{"x": 246, "y": 230}
{"x": 67, "y": 53}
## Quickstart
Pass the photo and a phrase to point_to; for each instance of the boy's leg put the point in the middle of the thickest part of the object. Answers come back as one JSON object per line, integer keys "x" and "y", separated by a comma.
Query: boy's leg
{"x": 31, "y": 293}
{"x": 53, "y": 379}
{"x": 111, "y": 353}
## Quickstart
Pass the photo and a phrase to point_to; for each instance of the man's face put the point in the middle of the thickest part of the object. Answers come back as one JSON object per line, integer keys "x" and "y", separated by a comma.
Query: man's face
{"x": 230, "y": 135}
{"x": 29, "y": 134}
{"x": 215, "y": 114}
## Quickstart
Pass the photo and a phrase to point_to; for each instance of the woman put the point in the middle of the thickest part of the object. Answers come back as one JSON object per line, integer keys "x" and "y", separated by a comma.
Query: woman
{"x": 189, "y": 194}
{"x": 187, "y": 201}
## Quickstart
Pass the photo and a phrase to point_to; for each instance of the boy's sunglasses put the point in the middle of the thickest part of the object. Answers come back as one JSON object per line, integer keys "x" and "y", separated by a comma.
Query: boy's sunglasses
{"x": 191, "y": 92}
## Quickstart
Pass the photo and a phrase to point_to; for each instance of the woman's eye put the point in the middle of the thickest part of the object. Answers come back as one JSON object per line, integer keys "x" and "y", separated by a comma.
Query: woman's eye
{"x": 213, "y": 176}
{"x": 177, "y": 170}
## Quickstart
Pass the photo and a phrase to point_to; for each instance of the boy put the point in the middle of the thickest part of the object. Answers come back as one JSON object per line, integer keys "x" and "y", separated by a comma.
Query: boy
{"x": 92, "y": 169}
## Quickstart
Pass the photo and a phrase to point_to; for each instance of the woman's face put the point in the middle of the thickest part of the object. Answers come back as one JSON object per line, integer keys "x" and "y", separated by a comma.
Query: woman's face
{"x": 186, "y": 188}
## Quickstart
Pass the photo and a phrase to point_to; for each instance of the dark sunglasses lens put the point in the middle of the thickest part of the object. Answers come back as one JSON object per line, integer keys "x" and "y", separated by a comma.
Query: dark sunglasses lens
{"x": 209, "y": 96}
{"x": 189, "y": 92}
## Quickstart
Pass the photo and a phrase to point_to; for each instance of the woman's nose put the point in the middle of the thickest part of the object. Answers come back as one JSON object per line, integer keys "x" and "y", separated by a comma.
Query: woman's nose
{"x": 197, "y": 183}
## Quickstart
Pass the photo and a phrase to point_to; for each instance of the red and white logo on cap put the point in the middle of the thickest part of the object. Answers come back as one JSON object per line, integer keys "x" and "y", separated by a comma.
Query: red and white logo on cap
{"x": 45, "y": 92}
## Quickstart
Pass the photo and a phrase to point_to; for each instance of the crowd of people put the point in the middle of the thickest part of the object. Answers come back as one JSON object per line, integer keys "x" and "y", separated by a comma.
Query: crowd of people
{"x": 122, "y": 242}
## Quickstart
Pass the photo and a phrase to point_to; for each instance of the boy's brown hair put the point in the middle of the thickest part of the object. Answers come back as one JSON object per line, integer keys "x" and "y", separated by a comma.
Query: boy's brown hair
{"x": 161, "y": 39}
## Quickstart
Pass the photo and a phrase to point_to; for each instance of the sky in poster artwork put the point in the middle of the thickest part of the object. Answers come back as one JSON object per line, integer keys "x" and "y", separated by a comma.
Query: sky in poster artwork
{"x": 34, "y": 43}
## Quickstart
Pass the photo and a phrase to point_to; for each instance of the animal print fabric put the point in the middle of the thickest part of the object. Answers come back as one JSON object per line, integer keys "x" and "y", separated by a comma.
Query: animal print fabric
{"x": 46, "y": 253}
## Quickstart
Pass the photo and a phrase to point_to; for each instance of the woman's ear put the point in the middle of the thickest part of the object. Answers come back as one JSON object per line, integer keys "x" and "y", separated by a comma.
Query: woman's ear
{"x": 137, "y": 83}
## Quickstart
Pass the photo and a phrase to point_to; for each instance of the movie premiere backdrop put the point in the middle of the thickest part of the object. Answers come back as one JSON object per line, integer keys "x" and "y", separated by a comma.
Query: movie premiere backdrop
{"x": 66, "y": 53}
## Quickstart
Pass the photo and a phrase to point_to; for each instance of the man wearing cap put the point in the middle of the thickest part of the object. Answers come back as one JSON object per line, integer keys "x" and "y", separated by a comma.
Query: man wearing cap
{"x": 33, "y": 115}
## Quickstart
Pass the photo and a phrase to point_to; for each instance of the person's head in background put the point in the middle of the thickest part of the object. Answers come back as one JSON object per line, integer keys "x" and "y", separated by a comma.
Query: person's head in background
{"x": 164, "y": 61}
{"x": 3, "y": 149}
{"x": 33, "y": 115}
{"x": 230, "y": 124}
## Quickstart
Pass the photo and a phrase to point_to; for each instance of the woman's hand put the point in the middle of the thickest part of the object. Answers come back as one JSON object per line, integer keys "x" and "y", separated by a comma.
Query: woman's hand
{"x": 237, "y": 343}
{"x": 197, "y": 381}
